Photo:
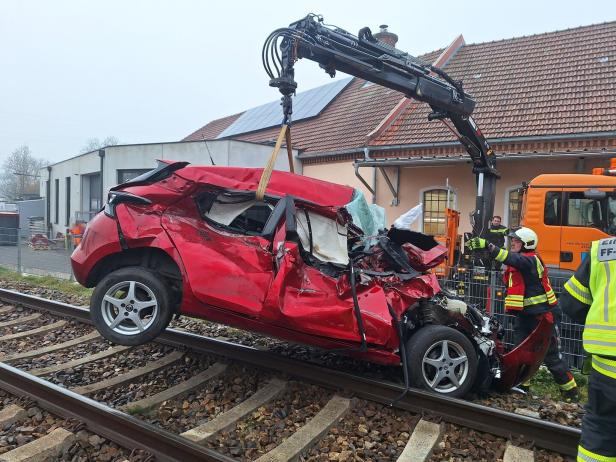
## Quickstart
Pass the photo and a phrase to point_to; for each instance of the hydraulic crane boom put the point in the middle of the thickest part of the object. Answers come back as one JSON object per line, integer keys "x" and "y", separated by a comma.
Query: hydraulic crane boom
{"x": 364, "y": 56}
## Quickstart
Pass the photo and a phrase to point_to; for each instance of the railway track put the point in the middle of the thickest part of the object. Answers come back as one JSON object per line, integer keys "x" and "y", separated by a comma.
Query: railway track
{"x": 270, "y": 408}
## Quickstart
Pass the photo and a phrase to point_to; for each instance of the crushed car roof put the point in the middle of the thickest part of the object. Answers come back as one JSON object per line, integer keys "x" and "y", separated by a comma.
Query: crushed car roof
{"x": 319, "y": 192}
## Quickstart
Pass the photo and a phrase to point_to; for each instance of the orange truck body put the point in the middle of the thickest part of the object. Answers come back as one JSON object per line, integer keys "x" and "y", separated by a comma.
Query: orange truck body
{"x": 566, "y": 220}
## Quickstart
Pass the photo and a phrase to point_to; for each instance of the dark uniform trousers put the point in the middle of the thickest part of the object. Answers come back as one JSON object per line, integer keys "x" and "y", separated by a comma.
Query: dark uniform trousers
{"x": 600, "y": 424}
{"x": 523, "y": 325}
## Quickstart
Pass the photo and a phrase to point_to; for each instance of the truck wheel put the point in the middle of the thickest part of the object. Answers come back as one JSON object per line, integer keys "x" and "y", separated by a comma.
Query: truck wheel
{"x": 130, "y": 306}
{"x": 442, "y": 360}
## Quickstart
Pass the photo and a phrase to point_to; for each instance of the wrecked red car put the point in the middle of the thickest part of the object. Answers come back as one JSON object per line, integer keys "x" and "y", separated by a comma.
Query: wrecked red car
{"x": 304, "y": 264}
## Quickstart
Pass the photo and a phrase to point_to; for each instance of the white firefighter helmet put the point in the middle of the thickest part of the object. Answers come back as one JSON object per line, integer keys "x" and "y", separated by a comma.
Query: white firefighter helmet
{"x": 527, "y": 236}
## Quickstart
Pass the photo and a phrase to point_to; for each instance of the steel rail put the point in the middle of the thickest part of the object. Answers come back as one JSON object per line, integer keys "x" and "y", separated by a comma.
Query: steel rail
{"x": 547, "y": 435}
{"x": 117, "y": 426}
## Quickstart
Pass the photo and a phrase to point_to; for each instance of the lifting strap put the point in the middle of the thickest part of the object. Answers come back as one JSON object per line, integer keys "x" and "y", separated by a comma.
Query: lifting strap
{"x": 285, "y": 134}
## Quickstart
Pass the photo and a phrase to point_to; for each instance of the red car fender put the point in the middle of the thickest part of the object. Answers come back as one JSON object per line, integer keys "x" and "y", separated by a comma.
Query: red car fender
{"x": 521, "y": 363}
{"x": 100, "y": 240}
{"x": 143, "y": 229}
{"x": 140, "y": 224}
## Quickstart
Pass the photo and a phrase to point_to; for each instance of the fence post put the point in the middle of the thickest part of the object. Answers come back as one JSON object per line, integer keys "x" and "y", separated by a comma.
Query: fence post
{"x": 19, "y": 269}
{"x": 492, "y": 290}
{"x": 70, "y": 268}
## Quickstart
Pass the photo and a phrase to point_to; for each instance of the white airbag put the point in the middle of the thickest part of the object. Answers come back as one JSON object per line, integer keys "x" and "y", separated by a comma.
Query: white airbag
{"x": 329, "y": 238}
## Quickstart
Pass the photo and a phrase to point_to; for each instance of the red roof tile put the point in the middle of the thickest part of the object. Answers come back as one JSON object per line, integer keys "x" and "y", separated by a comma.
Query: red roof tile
{"x": 343, "y": 124}
{"x": 547, "y": 84}
{"x": 212, "y": 129}
{"x": 555, "y": 83}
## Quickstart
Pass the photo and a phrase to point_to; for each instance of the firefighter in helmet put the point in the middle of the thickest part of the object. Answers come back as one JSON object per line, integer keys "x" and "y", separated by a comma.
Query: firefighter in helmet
{"x": 529, "y": 297}
{"x": 590, "y": 299}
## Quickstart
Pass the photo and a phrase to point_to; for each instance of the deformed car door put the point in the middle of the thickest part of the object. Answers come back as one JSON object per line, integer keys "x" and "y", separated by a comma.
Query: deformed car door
{"x": 304, "y": 299}
{"x": 226, "y": 269}
{"x": 278, "y": 229}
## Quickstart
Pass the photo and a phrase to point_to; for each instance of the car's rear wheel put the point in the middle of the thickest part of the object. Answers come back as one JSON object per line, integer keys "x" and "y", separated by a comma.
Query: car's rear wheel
{"x": 442, "y": 360}
{"x": 130, "y": 306}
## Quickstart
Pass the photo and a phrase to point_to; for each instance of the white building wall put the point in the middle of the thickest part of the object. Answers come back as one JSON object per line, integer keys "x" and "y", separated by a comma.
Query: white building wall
{"x": 144, "y": 156}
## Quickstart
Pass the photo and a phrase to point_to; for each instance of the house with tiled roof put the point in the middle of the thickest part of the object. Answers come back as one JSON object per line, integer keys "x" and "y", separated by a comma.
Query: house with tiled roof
{"x": 546, "y": 103}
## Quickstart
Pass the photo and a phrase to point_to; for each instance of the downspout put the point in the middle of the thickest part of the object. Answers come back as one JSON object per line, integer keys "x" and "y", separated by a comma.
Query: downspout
{"x": 369, "y": 187}
{"x": 48, "y": 201}
{"x": 374, "y": 185}
{"x": 367, "y": 157}
{"x": 101, "y": 154}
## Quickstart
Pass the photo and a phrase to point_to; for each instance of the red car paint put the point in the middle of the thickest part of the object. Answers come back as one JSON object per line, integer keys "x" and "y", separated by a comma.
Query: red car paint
{"x": 264, "y": 284}
{"x": 100, "y": 239}
{"x": 521, "y": 363}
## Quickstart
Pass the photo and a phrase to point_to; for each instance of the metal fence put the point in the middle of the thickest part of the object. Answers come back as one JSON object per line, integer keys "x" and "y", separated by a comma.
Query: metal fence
{"x": 485, "y": 290}
{"x": 35, "y": 253}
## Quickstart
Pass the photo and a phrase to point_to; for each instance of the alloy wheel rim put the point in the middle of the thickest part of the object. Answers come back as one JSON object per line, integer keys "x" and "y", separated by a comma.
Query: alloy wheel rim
{"x": 129, "y": 308}
{"x": 445, "y": 366}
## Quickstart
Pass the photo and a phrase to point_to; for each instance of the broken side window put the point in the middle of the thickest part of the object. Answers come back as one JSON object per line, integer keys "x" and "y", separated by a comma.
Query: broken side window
{"x": 323, "y": 237}
{"x": 240, "y": 213}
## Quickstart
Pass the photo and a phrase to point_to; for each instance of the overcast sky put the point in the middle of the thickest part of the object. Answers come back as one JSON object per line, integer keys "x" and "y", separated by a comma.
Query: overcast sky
{"x": 149, "y": 71}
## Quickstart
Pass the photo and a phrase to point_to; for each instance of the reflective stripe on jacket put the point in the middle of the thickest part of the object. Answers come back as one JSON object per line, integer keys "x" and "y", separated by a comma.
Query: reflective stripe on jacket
{"x": 599, "y": 335}
{"x": 518, "y": 296}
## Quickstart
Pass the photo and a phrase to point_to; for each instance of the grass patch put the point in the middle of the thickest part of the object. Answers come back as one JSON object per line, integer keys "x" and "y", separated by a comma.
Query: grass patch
{"x": 47, "y": 282}
{"x": 542, "y": 384}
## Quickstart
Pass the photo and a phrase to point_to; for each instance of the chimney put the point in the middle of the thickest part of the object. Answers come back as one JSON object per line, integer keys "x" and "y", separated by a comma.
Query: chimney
{"x": 386, "y": 37}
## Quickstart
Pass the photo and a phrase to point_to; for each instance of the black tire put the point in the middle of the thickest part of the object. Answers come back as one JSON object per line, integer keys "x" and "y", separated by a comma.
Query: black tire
{"x": 424, "y": 347}
{"x": 118, "y": 316}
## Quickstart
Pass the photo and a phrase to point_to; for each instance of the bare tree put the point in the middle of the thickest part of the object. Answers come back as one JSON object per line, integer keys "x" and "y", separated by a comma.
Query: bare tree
{"x": 94, "y": 143}
{"x": 20, "y": 174}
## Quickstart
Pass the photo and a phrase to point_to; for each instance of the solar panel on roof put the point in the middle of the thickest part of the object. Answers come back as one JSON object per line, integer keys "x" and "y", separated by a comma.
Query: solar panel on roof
{"x": 306, "y": 104}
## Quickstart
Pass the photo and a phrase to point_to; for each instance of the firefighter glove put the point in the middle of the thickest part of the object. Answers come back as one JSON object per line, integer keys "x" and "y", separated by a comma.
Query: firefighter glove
{"x": 476, "y": 243}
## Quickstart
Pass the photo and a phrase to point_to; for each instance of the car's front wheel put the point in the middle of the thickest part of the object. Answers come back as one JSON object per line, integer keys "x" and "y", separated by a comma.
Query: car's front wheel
{"x": 130, "y": 306}
{"x": 442, "y": 360}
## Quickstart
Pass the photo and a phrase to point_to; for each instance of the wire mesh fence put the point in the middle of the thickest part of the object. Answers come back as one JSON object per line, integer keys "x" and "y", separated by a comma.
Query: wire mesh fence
{"x": 35, "y": 253}
{"x": 486, "y": 290}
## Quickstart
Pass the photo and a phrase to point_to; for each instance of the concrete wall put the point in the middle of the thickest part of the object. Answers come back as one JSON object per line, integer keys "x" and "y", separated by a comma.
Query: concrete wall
{"x": 144, "y": 156}
{"x": 415, "y": 180}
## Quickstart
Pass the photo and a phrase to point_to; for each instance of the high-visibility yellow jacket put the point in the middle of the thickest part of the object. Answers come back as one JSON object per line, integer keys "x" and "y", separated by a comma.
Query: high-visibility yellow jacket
{"x": 591, "y": 299}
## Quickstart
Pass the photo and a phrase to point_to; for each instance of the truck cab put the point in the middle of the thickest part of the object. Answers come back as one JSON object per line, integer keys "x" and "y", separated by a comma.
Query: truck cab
{"x": 568, "y": 212}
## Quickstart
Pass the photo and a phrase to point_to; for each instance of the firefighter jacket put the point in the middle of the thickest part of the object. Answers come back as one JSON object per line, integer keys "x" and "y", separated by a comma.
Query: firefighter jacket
{"x": 496, "y": 235}
{"x": 589, "y": 298}
{"x": 526, "y": 278}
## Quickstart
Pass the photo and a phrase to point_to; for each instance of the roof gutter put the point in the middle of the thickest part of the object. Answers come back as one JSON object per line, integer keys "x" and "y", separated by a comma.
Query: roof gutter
{"x": 432, "y": 161}
{"x": 443, "y": 144}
